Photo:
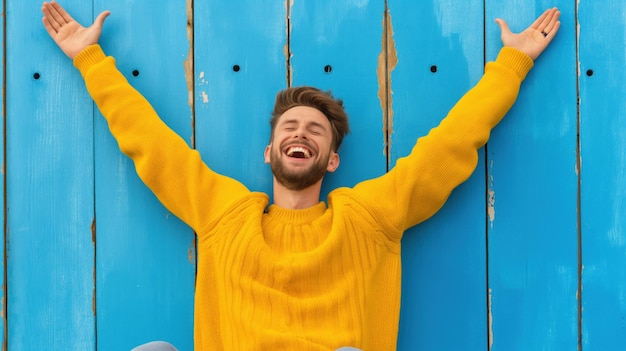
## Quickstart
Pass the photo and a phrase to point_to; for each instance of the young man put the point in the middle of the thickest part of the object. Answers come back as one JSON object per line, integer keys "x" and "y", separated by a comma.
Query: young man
{"x": 297, "y": 274}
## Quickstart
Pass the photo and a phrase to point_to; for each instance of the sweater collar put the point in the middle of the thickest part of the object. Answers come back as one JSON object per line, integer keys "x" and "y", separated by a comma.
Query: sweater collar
{"x": 296, "y": 217}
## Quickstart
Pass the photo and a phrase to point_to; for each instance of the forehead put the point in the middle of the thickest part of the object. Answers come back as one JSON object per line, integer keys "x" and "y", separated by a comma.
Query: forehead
{"x": 304, "y": 114}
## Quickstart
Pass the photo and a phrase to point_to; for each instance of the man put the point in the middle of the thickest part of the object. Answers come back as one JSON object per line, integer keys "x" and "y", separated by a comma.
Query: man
{"x": 297, "y": 274}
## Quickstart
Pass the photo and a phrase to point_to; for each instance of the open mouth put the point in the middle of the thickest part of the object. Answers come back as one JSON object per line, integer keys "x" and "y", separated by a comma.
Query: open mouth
{"x": 298, "y": 152}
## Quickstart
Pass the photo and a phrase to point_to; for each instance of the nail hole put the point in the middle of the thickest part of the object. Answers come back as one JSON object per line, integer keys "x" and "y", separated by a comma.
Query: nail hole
{"x": 135, "y": 73}
{"x": 589, "y": 72}
{"x": 236, "y": 68}
{"x": 36, "y": 75}
{"x": 433, "y": 68}
{"x": 328, "y": 68}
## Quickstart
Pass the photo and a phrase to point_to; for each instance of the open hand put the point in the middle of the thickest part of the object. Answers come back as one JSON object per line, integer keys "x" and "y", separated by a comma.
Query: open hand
{"x": 68, "y": 34}
{"x": 534, "y": 39}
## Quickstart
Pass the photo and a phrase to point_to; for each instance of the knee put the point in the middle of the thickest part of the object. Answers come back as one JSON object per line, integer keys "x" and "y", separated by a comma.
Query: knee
{"x": 155, "y": 346}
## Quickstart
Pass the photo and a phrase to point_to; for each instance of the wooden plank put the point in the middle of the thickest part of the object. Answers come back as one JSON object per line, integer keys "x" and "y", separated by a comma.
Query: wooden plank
{"x": 240, "y": 65}
{"x": 50, "y": 200}
{"x": 603, "y": 185}
{"x": 444, "y": 275}
{"x": 3, "y": 296}
{"x": 532, "y": 167}
{"x": 336, "y": 46}
{"x": 145, "y": 256}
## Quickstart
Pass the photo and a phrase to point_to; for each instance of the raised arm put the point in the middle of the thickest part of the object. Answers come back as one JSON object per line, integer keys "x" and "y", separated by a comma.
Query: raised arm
{"x": 420, "y": 183}
{"x": 163, "y": 160}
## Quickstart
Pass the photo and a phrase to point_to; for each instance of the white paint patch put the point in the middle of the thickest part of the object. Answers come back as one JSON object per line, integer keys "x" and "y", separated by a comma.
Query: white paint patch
{"x": 491, "y": 197}
{"x": 205, "y": 97}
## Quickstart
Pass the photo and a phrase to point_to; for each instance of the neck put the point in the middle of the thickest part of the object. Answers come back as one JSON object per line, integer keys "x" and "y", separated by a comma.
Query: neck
{"x": 297, "y": 199}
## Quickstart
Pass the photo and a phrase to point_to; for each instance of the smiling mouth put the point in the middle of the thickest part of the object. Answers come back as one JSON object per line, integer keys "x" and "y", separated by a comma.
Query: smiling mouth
{"x": 298, "y": 152}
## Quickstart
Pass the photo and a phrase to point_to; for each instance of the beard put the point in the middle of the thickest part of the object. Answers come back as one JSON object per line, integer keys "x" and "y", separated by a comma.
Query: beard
{"x": 297, "y": 179}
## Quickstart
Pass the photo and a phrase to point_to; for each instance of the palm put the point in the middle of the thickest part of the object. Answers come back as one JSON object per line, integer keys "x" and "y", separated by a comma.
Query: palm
{"x": 68, "y": 34}
{"x": 534, "y": 39}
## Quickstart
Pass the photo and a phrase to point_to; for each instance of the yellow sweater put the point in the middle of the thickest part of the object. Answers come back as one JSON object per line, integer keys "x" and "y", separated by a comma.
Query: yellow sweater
{"x": 312, "y": 279}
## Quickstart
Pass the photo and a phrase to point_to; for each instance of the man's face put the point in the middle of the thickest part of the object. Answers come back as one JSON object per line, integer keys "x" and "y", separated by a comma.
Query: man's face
{"x": 300, "y": 150}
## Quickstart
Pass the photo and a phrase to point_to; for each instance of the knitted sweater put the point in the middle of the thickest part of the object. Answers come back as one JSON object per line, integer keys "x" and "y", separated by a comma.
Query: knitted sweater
{"x": 320, "y": 278}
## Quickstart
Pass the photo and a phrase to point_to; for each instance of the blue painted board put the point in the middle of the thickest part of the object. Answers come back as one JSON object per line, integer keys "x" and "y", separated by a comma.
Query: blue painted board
{"x": 145, "y": 256}
{"x": 239, "y": 66}
{"x": 336, "y": 46}
{"x": 50, "y": 179}
{"x": 439, "y": 46}
{"x": 533, "y": 179}
{"x": 603, "y": 181}
{"x": 2, "y": 192}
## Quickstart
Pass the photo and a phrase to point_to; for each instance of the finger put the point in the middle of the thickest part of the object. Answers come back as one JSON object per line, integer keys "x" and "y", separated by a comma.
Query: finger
{"x": 49, "y": 28}
{"x": 540, "y": 19}
{"x": 504, "y": 27}
{"x": 554, "y": 30}
{"x": 52, "y": 22}
{"x": 553, "y": 22}
{"x": 548, "y": 18}
{"x": 61, "y": 12}
{"x": 55, "y": 12}
{"x": 99, "y": 22}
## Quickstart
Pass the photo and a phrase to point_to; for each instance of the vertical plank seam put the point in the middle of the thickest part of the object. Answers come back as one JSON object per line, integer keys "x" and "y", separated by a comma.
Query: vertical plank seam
{"x": 387, "y": 61}
{"x": 94, "y": 303}
{"x": 488, "y": 204}
{"x": 287, "y": 49}
{"x": 385, "y": 103}
{"x": 579, "y": 184}
{"x": 190, "y": 70}
{"x": 4, "y": 182}
{"x": 190, "y": 67}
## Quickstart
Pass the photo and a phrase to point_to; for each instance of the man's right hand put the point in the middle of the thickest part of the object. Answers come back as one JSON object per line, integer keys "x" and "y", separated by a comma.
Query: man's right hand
{"x": 68, "y": 34}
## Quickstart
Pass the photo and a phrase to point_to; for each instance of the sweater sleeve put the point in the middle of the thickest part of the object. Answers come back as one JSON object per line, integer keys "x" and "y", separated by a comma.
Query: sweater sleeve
{"x": 419, "y": 184}
{"x": 163, "y": 160}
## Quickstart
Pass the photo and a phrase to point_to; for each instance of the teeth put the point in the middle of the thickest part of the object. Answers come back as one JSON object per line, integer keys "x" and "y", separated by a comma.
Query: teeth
{"x": 297, "y": 149}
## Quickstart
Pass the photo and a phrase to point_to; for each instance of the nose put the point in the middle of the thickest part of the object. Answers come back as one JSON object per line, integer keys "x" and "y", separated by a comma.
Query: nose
{"x": 301, "y": 133}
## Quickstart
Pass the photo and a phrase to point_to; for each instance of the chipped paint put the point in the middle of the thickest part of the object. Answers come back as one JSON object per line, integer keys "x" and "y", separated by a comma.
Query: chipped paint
{"x": 490, "y": 320}
{"x": 189, "y": 70}
{"x": 287, "y": 47}
{"x": 205, "y": 97}
{"x": 491, "y": 197}
{"x": 93, "y": 231}
{"x": 3, "y": 311}
{"x": 191, "y": 252}
{"x": 387, "y": 61}
{"x": 188, "y": 63}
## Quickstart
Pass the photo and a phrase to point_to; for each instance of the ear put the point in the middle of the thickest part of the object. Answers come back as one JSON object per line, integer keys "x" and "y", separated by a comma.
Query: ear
{"x": 333, "y": 162}
{"x": 267, "y": 153}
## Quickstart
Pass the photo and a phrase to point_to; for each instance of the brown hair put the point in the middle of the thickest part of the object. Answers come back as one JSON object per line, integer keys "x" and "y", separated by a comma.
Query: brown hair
{"x": 325, "y": 102}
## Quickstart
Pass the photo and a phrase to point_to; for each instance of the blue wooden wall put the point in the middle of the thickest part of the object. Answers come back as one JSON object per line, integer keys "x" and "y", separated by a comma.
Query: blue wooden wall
{"x": 528, "y": 254}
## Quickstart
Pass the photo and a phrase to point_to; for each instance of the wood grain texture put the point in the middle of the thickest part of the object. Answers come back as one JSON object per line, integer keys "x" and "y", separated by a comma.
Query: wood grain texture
{"x": 603, "y": 180}
{"x": 497, "y": 268}
{"x": 50, "y": 202}
{"x": 439, "y": 47}
{"x": 3, "y": 295}
{"x": 533, "y": 179}
{"x": 240, "y": 65}
{"x": 336, "y": 46}
{"x": 145, "y": 256}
